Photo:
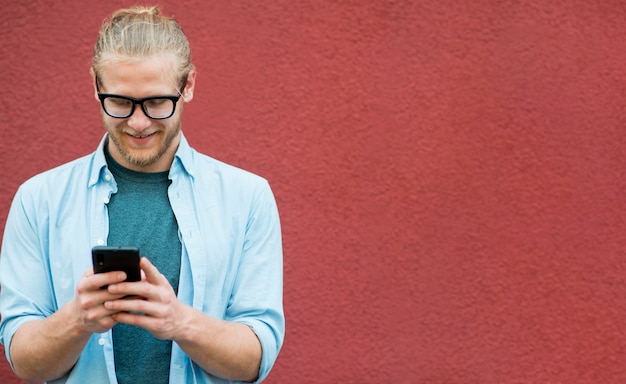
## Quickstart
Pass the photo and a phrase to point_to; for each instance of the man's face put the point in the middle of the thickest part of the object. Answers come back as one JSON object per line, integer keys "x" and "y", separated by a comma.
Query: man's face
{"x": 139, "y": 142}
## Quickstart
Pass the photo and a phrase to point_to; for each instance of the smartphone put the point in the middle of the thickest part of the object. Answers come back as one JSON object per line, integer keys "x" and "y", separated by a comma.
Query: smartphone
{"x": 108, "y": 259}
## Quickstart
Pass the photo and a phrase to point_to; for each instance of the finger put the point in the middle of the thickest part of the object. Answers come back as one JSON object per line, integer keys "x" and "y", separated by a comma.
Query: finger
{"x": 95, "y": 282}
{"x": 88, "y": 272}
{"x": 152, "y": 273}
{"x": 94, "y": 299}
{"x": 145, "y": 314}
{"x": 101, "y": 280}
{"x": 140, "y": 307}
{"x": 143, "y": 290}
{"x": 100, "y": 312}
{"x": 133, "y": 318}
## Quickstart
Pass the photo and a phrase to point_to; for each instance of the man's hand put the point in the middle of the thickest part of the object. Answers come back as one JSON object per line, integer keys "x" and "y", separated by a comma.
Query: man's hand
{"x": 90, "y": 299}
{"x": 152, "y": 303}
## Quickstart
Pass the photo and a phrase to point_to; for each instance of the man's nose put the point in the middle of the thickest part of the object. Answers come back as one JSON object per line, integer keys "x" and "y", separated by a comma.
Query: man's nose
{"x": 138, "y": 120}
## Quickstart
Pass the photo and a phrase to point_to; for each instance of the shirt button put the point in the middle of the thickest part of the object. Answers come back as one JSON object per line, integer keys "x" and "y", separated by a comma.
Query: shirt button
{"x": 101, "y": 341}
{"x": 106, "y": 200}
{"x": 100, "y": 242}
{"x": 107, "y": 177}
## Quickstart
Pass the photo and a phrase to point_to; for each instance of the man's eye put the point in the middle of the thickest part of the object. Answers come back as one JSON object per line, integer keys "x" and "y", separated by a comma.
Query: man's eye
{"x": 155, "y": 103}
{"x": 120, "y": 102}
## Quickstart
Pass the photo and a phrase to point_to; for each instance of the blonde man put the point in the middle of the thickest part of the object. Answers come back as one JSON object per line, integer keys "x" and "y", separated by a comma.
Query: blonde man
{"x": 208, "y": 308}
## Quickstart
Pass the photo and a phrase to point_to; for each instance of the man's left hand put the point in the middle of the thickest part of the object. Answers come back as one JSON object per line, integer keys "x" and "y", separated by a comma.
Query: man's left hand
{"x": 152, "y": 304}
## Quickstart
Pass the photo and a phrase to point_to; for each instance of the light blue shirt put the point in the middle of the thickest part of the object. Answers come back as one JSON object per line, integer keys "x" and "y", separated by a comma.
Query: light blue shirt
{"x": 231, "y": 264}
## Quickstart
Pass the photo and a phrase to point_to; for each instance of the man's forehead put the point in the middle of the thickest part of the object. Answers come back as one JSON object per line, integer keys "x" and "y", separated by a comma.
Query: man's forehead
{"x": 117, "y": 66}
{"x": 164, "y": 61}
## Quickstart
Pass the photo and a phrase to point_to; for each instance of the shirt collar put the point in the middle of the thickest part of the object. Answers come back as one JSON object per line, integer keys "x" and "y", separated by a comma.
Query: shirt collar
{"x": 183, "y": 159}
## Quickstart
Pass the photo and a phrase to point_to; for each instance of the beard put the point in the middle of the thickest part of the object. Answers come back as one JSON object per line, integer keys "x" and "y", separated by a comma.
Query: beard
{"x": 143, "y": 158}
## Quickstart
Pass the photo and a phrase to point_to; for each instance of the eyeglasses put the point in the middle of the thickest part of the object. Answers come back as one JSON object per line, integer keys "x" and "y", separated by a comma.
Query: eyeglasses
{"x": 155, "y": 107}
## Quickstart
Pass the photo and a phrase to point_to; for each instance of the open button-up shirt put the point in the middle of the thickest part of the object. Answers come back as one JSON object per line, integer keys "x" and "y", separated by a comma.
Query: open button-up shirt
{"x": 231, "y": 266}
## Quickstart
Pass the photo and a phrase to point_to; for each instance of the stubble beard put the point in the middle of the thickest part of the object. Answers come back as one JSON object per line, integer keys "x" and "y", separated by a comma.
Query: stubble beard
{"x": 142, "y": 159}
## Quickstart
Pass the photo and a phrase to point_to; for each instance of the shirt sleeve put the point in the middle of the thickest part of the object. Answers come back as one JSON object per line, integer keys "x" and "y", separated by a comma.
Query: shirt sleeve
{"x": 258, "y": 290}
{"x": 25, "y": 293}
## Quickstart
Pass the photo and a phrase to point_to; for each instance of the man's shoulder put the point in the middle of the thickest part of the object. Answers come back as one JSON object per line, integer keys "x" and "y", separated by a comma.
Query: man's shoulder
{"x": 63, "y": 174}
{"x": 207, "y": 167}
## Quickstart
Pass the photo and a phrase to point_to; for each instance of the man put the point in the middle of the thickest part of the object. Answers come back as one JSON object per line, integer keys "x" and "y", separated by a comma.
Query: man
{"x": 208, "y": 308}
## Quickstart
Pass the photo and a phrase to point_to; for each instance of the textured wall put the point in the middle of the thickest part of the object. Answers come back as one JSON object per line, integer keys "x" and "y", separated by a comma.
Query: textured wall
{"x": 450, "y": 174}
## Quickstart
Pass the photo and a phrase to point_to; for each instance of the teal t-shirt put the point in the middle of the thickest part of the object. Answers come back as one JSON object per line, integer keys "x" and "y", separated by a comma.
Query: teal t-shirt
{"x": 140, "y": 215}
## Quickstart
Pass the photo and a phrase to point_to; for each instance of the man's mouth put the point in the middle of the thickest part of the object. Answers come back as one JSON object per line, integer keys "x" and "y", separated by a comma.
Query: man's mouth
{"x": 140, "y": 135}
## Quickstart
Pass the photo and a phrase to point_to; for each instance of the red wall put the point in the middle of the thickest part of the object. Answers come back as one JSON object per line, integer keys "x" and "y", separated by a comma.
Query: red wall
{"x": 450, "y": 174}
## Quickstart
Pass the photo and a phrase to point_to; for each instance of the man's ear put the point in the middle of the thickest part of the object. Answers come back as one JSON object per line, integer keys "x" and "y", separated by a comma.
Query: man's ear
{"x": 189, "y": 87}
{"x": 93, "y": 82}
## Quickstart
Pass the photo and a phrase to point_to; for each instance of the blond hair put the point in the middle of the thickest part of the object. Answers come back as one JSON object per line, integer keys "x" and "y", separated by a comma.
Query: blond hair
{"x": 140, "y": 32}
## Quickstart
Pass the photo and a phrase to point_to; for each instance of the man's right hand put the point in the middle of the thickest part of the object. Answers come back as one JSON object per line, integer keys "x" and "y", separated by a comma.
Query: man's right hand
{"x": 90, "y": 299}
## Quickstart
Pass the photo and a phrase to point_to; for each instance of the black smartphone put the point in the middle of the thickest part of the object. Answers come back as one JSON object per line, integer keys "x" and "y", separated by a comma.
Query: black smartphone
{"x": 108, "y": 259}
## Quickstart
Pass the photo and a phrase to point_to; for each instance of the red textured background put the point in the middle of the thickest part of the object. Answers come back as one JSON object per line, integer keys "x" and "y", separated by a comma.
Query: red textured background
{"x": 450, "y": 174}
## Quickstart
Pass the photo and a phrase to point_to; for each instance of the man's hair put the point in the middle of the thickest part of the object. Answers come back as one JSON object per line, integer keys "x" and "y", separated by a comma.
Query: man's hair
{"x": 140, "y": 32}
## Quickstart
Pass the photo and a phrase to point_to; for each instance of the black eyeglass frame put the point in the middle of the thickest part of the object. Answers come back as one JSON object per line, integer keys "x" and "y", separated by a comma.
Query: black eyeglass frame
{"x": 174, "y": 99}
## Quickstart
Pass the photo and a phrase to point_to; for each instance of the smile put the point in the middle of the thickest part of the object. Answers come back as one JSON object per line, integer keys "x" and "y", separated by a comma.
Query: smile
{"x": 140, "y": 136}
